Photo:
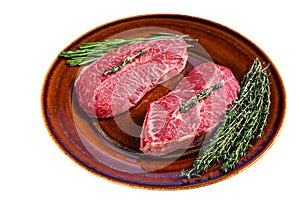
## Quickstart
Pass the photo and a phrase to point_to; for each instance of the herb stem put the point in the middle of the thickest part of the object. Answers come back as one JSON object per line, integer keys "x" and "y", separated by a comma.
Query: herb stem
{"x": 128, "y": 59}
{"x": 187, "y": 106}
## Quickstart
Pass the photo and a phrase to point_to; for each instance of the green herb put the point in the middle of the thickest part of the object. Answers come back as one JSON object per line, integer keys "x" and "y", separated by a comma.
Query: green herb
{"x": 243, "y": 122}
{"x": 89, "y": 52}
{"x": 128, "y": 59}
{"x": 187, "y": 106}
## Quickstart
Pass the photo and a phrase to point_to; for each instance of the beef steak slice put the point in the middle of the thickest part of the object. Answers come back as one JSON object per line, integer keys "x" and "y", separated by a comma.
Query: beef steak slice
{"x": 165, "y": 129}
{"x": 104, "y": 96}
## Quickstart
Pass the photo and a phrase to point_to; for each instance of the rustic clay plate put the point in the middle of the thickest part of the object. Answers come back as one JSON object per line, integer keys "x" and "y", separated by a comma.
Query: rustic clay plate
{"x": 110, "y": 148}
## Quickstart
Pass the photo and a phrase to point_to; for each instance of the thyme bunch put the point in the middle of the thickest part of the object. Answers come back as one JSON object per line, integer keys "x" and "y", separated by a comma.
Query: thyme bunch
{"x": 90, "y": 52}
{"x": 243, "y": 122}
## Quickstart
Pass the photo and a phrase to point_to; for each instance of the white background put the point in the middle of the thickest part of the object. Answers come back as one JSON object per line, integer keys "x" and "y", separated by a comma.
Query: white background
{"x": 34, "y": 32}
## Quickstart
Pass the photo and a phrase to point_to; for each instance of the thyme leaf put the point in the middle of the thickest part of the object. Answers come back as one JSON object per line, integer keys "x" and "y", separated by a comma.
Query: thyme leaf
{"x": 243, "y": 122}
{"x": 128, "y": 59}
{"x": 187, "y": 106}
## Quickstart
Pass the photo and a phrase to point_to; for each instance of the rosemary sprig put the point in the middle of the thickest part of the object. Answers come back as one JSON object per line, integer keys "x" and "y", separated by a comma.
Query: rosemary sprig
{"x": 128, "y": 59}
{"x": 89, "y": 52}
{"x": 243, "y": 122}
{"x": 187, "y": 106}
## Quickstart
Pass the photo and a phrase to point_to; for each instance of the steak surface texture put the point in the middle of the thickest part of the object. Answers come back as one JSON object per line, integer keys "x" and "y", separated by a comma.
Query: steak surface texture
{"x": 166, "y": 129}
{"x": 108, "y": 95}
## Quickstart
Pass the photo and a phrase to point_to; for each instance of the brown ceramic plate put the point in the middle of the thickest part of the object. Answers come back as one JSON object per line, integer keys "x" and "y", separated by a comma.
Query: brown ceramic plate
{"x": 109, "y": 148}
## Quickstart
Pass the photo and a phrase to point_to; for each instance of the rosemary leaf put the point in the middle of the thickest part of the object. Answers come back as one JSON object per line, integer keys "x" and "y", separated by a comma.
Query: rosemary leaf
{"x": 89, "y": 52}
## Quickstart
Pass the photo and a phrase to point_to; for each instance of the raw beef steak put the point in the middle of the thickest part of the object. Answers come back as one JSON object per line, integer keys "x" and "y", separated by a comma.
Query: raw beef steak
{"x": 104, "y": 96}
{"x": 166, "y": 129}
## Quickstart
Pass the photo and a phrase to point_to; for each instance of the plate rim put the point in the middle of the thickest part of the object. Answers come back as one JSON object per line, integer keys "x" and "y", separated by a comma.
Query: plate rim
{"x": 76, "y": 158}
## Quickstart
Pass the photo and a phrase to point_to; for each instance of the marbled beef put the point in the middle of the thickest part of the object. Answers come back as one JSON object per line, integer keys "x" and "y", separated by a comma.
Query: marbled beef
{"x": 167, "y": 129}
{"x": 104, "y": 96}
